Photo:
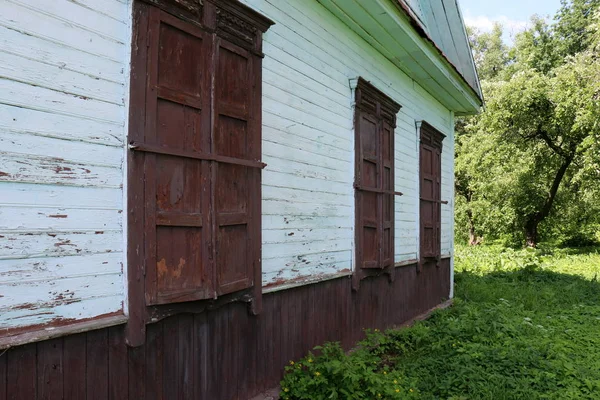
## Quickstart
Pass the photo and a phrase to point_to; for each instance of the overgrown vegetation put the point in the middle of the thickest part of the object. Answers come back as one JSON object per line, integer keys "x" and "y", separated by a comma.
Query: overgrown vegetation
{"x": 525, "y": 325}
{"x": 528, "y": 167}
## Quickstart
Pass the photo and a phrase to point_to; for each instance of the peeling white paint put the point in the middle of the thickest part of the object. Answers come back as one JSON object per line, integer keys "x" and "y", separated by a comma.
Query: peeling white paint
{"x": 308, "y": 143}
{"x": 62, "y": 132}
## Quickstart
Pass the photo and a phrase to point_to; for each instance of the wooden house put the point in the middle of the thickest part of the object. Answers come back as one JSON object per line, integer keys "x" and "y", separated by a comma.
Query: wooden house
{"x": 194, "y": 192}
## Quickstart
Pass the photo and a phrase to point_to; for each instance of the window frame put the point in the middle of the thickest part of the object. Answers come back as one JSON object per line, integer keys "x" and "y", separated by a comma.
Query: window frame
{"x": 372, "y": 104}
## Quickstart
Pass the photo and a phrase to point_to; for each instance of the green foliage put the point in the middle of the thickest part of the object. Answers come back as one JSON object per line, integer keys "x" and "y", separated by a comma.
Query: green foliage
{"x": 531, "y": 161}
{"x": 524, "y": 325}
{"x": 333, "y": 374}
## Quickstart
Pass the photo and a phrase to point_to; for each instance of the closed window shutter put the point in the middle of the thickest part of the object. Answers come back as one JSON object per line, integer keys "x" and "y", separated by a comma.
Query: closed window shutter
{"x": 201, "y": 147}
{"x": 375, "y": 120}
{"x": 177, "y": 231}
{"x": 430, "y": 173}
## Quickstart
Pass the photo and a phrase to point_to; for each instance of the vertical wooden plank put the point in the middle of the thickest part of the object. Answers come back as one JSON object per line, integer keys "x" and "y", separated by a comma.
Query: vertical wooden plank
{"x": 118, "y": 368}
{"x": 74, "y": 366}
{"x": 154, "y": 361}
{"x": 135, "y": 329}
{"x": 187, "y": 357}
{"x": 97, "y": 365}
{"x": 21, "y": 377}
{"x": 172, "y": 379}
{"x": 3, "y": 373}
{"x": 50, "y": 369}
{"x": 136, "y": 373}
{"x": 200, "y": 349}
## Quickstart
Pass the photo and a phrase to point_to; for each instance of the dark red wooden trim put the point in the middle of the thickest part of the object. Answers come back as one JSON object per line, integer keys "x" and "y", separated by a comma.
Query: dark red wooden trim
{"x": 136, "y": 326}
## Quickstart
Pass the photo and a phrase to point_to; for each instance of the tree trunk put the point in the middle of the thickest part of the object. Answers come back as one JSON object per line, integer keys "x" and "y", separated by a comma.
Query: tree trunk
{"x": 531, "y": 233}
{"x": 473, "y": 238}
{"x": 533, "y": 221}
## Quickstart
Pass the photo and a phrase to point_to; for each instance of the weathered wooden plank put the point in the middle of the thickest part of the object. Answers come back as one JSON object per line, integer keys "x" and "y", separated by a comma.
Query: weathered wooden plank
{"x": 39, "y": 195}
{"x": 58, "y": 55}
{"x": 15, "y": 167}
{"x": 298, "y": 195}
{"x": 276, "y": 151}
{"x": 59, "y": 79}
{"x": 3, "y": 375}
{"x": 31, "y": 22}
{"x": 97, "y": 371}
{"x": 304, "y": 222}
{"x": 38, "y": 98}
{"x": 305, "y": 170}
{"x": 58, "y": 219}
{"x": 272, "y": 236}
{"x": 54, "y": 244}
{"x": 27, "y": 121}
{"x": 74, "y": 151}
{"x": 21, "y": 377}
{"x": 74, "y": 366}
{"x": 50, "y": 370}
{"x": 62, "y": 312}
{"x": 136, "y": 373}
{"x": 118, "y": 378}
{"x": 38, "y": 294}
{"x": 274, "y": 178}
{"x": 111, "y": 8}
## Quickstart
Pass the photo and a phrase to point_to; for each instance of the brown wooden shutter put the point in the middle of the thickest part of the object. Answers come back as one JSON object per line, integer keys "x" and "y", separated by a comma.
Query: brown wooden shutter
{"x": 199, "y": 152}
{"x": 235, "y": 183}
{"x": 375, "y": 120}
{"x": 177, "y": 228}
{"x": 430, "y": 172}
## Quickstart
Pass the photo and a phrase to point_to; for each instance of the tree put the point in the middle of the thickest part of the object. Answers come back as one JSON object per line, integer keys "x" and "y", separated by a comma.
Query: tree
{"x": 531, "y": 159}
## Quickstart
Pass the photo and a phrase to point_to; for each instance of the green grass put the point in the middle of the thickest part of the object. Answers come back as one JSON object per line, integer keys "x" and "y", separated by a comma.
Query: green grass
{"x": 525, "y": 325}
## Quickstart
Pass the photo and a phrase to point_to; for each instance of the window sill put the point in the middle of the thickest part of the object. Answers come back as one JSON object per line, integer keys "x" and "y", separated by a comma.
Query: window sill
{"x": 37, "y": 334}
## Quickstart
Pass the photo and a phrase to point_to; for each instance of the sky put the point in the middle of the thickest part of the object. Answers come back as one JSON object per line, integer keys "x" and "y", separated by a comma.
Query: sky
{"x": 513, "y": 14}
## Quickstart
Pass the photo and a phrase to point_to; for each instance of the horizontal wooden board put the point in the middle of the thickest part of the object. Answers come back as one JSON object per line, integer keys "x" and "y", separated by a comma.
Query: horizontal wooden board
{"x": 57, "y": 244}
{"x": 40, "y": 195}
{"x": 26, "y": 70}
{"x": 42, "y": 99}
{"x": 69, "y": 33}
{"x": 58, "y": 219}
{"x": 16, "y": 167}
{"x": 27, "y": 121}
{"x": 60, "y": 55}
{"x": 73, "y": 150}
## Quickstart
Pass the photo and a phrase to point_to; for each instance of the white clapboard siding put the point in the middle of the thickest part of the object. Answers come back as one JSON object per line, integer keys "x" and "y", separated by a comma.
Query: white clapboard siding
{"x": 67, "y": 128}
{"x": 308, "y": 142}
{"x": 63, "y": 76}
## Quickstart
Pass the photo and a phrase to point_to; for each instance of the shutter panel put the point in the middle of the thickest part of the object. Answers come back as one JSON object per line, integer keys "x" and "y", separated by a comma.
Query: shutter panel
{"x": 428, "y": 201}
{"x": 387, "y": 248}
{"x": 235, "y": 137}
{"x": 176, "y": 178}
{"x": 369, "y": 183}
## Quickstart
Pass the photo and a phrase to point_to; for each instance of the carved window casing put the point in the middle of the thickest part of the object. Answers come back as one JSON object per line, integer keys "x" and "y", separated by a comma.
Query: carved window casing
{"x": 195, "y": 160}
{"x": 374, "y": 124}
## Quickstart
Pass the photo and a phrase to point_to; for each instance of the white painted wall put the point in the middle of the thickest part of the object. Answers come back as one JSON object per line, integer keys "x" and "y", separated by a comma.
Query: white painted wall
{"x": 308, "y": 199}
{"x": 63, "y": 71}
{"x": 63, "y": 83}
